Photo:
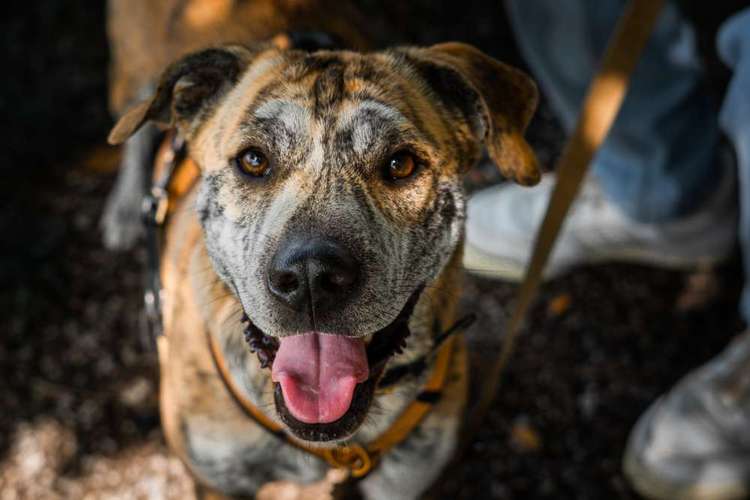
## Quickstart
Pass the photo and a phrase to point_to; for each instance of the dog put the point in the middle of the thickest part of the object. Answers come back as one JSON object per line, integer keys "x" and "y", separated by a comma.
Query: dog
{"x": 327, "y": 219}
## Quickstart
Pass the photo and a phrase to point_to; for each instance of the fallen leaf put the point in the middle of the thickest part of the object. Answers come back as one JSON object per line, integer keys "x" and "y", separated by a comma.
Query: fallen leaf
{"x": 559, "y": 305}
{"x": 524, "y": 437}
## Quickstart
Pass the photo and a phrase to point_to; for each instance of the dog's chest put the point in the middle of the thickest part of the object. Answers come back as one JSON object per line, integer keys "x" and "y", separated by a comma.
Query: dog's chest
{"x": 240, "y": 457}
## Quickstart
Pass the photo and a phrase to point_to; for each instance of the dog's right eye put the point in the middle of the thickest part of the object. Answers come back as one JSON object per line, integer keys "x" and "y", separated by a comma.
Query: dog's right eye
{"x": 400, "y": 166}
{"x": 253, "y": 163}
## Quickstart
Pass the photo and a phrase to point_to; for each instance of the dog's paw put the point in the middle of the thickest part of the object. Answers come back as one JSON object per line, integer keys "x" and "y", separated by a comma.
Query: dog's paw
{"x": 121, "y": 221}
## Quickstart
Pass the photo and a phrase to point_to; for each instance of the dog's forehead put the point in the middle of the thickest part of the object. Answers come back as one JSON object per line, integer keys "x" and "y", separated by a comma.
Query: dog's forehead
{"x": 358, "y": 119}
{"x": 330, "y": 94}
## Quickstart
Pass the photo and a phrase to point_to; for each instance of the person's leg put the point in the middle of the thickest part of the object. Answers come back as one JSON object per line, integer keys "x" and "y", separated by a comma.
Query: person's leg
{"x": 734, "y": 48}
{"x": 658, "y": 162}
{"x": 694, "y": 441}
{"x": 658, "y": 165}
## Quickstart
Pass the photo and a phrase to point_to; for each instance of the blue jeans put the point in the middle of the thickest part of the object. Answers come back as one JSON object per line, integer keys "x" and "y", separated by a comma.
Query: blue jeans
{"x": 734, "y": 47}
{"x": 660, "y": 160}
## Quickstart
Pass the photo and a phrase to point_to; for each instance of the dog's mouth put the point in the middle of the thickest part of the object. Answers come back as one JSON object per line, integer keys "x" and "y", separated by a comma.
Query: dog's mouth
{"x": 325, "y": 383}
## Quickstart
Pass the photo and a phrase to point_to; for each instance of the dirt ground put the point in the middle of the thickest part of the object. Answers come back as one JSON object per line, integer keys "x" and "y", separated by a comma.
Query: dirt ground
{"x": 78, "y": 410}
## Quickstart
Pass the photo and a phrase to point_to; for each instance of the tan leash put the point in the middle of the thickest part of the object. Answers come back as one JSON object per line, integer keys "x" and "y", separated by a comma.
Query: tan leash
{"x": 599, "y": 110}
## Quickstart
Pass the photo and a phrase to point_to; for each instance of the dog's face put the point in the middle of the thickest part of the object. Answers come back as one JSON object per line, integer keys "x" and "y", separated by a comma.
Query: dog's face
{"x": 331, "y": 195}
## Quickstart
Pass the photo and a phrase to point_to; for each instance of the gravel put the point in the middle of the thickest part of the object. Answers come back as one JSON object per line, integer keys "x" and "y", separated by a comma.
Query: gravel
{"x": 78, "y": 395}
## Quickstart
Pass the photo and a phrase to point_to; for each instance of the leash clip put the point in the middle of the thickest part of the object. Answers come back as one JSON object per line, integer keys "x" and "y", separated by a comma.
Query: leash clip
{"x": 154, "y": 206}
{"x": 152, "y": 305}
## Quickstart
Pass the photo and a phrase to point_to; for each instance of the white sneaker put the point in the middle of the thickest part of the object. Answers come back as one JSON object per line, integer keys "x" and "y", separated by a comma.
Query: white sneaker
{"x": 503, "y": 220}
{"x": 692, "y": 443}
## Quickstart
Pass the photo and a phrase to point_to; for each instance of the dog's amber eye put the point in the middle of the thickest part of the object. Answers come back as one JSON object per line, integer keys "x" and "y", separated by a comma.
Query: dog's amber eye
{"x": 253, "y": 163}
{"x": 401, "y": 165}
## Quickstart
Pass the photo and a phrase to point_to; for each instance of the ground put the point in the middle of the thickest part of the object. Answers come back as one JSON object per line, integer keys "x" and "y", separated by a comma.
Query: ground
{"x": 79, "y": 417}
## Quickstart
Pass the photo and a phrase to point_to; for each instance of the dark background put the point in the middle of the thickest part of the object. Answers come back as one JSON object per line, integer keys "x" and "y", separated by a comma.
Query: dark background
{"x": 78, "y": 385}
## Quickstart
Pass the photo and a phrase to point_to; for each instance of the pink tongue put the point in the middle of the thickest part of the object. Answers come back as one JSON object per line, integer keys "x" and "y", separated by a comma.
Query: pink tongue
{"x": 318, "y": 374}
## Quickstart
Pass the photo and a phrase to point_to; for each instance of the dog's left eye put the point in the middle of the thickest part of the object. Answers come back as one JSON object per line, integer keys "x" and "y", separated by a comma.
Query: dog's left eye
{"x": 253, "y": 163}
{"x": 400, "y": 166}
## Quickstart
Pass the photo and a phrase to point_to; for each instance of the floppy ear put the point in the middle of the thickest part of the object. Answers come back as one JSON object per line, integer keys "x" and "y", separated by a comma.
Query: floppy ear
{"x": 186, "y": 90}
{"x": 498, "y": 100}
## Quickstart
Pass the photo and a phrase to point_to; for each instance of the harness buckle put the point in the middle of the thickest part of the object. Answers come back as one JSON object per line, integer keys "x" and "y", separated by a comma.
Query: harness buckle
{"x": 152, "y": 306}
{"x": 154, "y": 206}
{"x": 352, "y": 457}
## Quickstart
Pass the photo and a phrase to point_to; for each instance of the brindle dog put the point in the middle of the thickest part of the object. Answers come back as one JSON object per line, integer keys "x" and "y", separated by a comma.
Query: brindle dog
{"x": 329, "y": 205}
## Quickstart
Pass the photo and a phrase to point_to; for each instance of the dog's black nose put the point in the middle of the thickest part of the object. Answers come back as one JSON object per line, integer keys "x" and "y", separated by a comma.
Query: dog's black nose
{"x": 315, "y": 272}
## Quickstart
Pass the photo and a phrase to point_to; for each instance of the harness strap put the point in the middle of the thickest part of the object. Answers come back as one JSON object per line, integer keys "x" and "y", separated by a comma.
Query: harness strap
{"x": 419, "y": 408}
{"x": 154, "y": 208}
{"x": 357, "y": 459}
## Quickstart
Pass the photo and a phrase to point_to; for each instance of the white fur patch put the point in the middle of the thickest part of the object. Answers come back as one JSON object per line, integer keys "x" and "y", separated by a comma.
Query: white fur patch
{"x": 295, "y": 118}
{"x": 363, "y": 133}
{"x": 285, "y": 204}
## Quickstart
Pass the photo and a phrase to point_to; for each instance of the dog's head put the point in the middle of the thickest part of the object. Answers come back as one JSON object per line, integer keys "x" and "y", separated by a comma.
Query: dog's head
{"x": 331, "y": 194}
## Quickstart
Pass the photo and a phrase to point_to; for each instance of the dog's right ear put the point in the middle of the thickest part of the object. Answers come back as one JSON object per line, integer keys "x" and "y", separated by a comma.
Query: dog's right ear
{"x": 186, "y": 90}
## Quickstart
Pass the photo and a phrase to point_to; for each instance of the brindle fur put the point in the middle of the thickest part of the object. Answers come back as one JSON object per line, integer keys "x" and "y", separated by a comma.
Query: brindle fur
{"x": 147, "y": 35}
{"x": 328, "y": 122}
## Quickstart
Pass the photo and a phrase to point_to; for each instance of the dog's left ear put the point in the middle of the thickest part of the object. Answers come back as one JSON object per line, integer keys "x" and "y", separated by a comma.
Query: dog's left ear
{"x": 185, "y": 91}
{"x": 498, "y": 100}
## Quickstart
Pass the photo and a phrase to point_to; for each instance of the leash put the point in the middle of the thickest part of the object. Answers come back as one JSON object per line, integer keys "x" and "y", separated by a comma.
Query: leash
{"x": 603, "y": 100}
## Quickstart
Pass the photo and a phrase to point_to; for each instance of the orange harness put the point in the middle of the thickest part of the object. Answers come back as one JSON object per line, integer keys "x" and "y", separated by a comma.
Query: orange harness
{"x": 357, "y": 459}
{"x": 178, "y": 177}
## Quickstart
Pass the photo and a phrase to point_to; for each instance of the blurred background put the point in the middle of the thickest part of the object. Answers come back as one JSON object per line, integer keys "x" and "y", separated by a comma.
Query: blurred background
{"x": 78, "y": 381}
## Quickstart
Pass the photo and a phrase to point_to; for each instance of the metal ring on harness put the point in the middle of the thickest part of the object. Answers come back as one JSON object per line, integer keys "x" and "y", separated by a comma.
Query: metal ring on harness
{"x": 352, "y": 457}
{"x": 154, "y": 206}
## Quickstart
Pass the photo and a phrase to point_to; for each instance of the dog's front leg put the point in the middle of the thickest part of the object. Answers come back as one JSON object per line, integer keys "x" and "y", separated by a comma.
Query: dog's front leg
{"x": 410, "y": 468}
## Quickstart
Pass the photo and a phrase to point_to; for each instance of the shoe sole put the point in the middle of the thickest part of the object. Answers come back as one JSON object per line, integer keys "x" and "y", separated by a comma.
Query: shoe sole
{"x": 480, "y": 263}
{"x": 655, "y": 487}
{"x": 650, "y": 484}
